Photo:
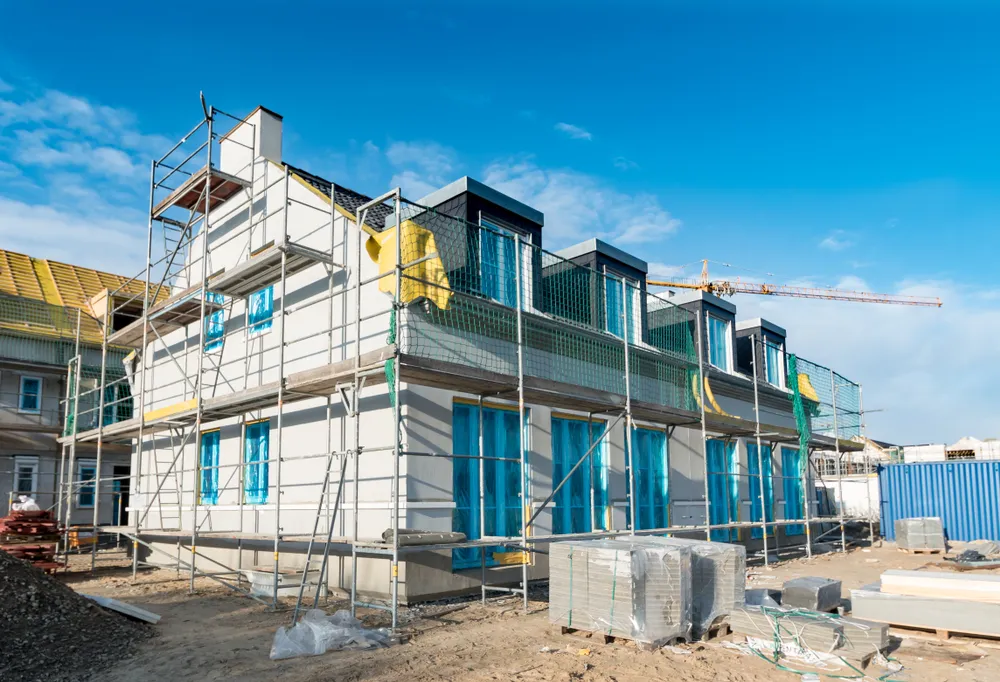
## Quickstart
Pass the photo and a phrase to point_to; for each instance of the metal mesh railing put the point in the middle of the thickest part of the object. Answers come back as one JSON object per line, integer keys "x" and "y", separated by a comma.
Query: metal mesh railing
{"x": 832, "y": 401}
{"x": 461, "y": 284}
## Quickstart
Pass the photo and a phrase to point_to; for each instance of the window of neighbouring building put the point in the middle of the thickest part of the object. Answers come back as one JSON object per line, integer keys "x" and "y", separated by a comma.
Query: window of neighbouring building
{"x": 256, "y": 446}
{"x": 753, "y": 469}
{"x": 719, "y": 342}
{"x": 86, "y": 475}
{"x": 501, "y": 479}
{"x": 260, "y": 310}
{"x": 25, "y": 475}
{"x": 30, "y": 396}
{"x": 573, "y": 511}
{"x": 652, "y": 479}
{"x": 208, "y": 464}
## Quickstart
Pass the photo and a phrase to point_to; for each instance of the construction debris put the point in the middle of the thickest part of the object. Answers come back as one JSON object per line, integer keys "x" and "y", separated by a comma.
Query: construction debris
{"x": 815, "y": 594}
{"x": 50, "y": 633}
{"x": 128, "y": 610}
{"x": 316, "y": 633}
{"x": 31, "y": 534}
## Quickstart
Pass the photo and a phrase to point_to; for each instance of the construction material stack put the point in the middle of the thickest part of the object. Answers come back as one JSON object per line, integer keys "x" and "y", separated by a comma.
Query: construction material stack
{"x": 32, "y": 536}
{"x": 794, "y": 631}
{"x": 623, "y": 589}
{"x": 815, "y": 594}
{"x": 718, "y": 580}
{"x": 933, "y": 600}
{"x": 920, "y": 534}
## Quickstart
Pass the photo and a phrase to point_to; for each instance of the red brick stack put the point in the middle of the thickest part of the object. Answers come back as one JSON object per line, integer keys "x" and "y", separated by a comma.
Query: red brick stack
{"x": 32, "y": 536}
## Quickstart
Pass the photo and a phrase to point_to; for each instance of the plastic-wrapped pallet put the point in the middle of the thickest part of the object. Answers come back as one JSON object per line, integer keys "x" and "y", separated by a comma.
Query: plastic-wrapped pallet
{"x": 633, "y": 590}
{"x": 568, "y": 596}
{"x": 718, "y": 578}
{"x": 920, "y": 533}
{"x": 816, "y": 594}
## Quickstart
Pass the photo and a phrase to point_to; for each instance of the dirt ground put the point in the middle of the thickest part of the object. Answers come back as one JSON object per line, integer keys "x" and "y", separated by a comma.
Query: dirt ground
{"x": 216, "y": 634}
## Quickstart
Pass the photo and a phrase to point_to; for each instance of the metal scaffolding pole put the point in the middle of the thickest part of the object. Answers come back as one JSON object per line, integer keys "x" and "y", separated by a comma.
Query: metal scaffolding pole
{"x": 840, "y": 473}
{"x": 71, "y": 380}
{"x": 397, "y": 414}
{"x": 804, "y": 473}
{"x": 868, "y": 485}
{"x": 704, "y": 430}
{"x": 525, "y": 480}
{"x": 281, "y": 386}
{"x": 100, "y": 442}
{"x": 356, "y": 417}
{"x": 630, "y": 462}
{"x": 199, "y": 390}
{"x": 482, "y": 503}
{"x": 72, "y": 448}
{"x": 760, "y": 454}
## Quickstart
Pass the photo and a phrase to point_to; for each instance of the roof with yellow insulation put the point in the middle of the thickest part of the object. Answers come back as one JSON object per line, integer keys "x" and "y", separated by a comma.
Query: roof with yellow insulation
{"x": 39, "y": 296}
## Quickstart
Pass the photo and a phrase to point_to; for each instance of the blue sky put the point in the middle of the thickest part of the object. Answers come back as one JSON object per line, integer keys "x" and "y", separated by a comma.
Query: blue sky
{"x": 845, "y": 143}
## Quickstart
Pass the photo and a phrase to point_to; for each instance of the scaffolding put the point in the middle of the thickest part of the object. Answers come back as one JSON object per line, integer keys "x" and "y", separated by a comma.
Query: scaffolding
{"x": 463, "y": 307}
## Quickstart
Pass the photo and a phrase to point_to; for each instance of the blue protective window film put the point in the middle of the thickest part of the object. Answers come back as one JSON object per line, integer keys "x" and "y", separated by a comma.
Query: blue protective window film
{"x": 498, "y": 264}
{"x": 208, "y": 460}
{"x": 755, "y": 478}
{"x": 718, "y": 342}
{"x": 723, "y": 488}
{"x": 260, "y": 310}
{"x": 30, "y": 399}
{"x": 215, "y": 323}
{"x": 256, "y": 447}
{"x": 791, "y": 462}
{"x": 652, "y": 479}
{"x": 501, "y": 479}
{"x": 571, "y": 509}
{"x": 86, "y": 473}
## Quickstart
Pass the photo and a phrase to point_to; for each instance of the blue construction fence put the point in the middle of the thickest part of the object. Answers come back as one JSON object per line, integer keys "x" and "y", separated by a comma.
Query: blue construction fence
{"x": 965, "y": 495}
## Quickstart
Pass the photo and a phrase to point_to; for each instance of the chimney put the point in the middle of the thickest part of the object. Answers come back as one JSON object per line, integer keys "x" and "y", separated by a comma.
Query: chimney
{"x": 257, "y": 135}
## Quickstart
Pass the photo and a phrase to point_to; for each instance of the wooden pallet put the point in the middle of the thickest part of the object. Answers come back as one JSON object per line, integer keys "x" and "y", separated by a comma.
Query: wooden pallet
{"x": 940, "y": 635}
{"x": 605, "y": 638}
{"x": 904, "y": 550}
{"x": 716, "y": 630}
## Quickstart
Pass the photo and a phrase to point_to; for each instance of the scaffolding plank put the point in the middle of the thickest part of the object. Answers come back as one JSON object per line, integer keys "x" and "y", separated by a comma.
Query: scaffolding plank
{"x": 264, "y": 268}
{"x": 324, "y": 380}
{"x": 176, "y": 312}
{"x": 190, "y": 195}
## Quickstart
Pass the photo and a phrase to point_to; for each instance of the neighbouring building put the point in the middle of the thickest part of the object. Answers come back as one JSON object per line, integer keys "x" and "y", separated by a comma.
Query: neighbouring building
{"x": 305, "y": 349}
{"x": 42, "y": 305}
{"x": 965, "y": 448}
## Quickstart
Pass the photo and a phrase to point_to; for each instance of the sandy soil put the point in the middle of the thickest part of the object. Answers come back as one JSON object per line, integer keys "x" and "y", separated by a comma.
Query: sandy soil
{"x": 216, "y": 635}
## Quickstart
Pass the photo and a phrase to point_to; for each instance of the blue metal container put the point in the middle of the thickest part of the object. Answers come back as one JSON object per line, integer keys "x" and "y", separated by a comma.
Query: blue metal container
{"x": 966, "y": 495}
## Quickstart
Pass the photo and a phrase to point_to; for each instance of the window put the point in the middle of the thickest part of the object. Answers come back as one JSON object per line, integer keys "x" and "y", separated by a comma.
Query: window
{"x": 117, "y": 402}
{"x": 208, "y": 461}
{"x": 652, "y": 474}
{"x": 719, "y": 349}
{"x": 215, "y": 323}
{"x": 723, "y": 488}
{"x": 255, "y": 455}
{"x": 25, "y": 475}
{"x": 260, "y": 310}
{"x": 791, "y": 473}
{"x": 498, "y": 263}
{"x": 30, "y": 397}
{"x": 501, "y": 479}
{"x": 571, "y": 510}
{"x": 774, "y": 363}
{"x": 86, "y": 475}
{"x": 755, "y": 481}
{"x": 613, "y": 318}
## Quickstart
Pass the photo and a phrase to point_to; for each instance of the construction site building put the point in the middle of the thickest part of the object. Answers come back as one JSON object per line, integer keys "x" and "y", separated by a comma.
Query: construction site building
{"x": 316, "y": 374}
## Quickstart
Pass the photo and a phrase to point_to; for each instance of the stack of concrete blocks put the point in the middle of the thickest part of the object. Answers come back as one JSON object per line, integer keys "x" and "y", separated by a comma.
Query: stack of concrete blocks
{"x": 815, "y": 594}
{"x": 718, "y": 579}
{"x": 848, "y": 638}
{"x": 621, "y": 588}
{"x": 920, "y": 533}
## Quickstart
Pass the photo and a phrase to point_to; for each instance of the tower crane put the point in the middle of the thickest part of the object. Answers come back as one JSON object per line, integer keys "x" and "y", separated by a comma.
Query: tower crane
{"x": 735, "y": 286}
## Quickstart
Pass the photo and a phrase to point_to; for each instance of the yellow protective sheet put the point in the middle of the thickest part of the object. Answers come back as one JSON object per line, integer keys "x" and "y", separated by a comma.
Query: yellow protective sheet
{"x": 418, "y": 242}
{"x": 806, "y": 388}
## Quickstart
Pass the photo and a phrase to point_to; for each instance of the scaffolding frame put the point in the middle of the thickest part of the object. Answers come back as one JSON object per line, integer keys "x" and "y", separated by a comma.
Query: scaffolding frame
{"x": 178, "y": 293}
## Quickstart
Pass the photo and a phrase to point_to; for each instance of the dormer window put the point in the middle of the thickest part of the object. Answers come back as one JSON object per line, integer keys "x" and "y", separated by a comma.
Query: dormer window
{"x": 774, "y": 362}
{"x": 720, "y": 349}
{"x": 498, "y": 263}
{"x": 615, "y": 298}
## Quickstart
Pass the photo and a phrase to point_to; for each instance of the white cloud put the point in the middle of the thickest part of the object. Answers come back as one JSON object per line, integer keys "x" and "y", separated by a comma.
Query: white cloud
{"x": 623, "y": 164}
{"x": 932, "y": 385}
{"x": 665, "y": 270}
{"x": 836, "y": 241}
{"x": 5, "y": 86}
{"x": 577, "y": 205}
{"x": 575, "y": 132}
{"x": 421, "y": 167}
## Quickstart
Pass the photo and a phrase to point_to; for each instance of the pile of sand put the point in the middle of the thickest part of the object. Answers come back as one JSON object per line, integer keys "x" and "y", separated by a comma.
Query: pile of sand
{"x": 49, "y": 632}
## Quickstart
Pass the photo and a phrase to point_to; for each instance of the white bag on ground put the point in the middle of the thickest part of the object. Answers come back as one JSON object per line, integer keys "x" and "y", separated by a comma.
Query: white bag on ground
{"x": 316, "y": 633}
